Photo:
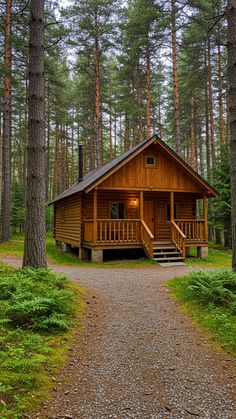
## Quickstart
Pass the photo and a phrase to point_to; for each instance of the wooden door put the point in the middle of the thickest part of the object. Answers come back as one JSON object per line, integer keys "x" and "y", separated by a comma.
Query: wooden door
{"x": 162, "y": 226}
{"x": 148, "y": 215}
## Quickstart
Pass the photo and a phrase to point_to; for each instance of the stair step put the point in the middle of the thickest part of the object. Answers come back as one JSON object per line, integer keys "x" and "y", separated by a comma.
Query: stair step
{"x": 168, "y": 259}
{"x": 166, "y": 254}
{"x": 164, "y": 249}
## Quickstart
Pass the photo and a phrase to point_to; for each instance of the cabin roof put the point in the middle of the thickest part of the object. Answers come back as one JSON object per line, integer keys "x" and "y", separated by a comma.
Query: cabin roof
{"x": 97, "y": 175}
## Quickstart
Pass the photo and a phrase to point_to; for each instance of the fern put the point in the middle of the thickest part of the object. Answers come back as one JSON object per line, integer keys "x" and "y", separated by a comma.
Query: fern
{"x": 217, "y": 287}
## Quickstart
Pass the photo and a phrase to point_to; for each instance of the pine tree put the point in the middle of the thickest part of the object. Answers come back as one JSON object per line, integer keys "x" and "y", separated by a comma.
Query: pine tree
{"x": 35, "y": 246}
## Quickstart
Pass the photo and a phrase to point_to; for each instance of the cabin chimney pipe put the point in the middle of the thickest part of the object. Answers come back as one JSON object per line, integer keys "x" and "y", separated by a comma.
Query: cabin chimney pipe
{"x": 80, "y": 149}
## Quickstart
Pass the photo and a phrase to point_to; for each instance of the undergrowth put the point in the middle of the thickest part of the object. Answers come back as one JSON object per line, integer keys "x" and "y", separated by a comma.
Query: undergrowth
{"x": 38, "y": 311}
{"x": 210, "y": 298}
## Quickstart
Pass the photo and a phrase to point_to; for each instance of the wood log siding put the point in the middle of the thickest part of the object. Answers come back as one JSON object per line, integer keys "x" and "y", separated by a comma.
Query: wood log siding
{"x": 166, "y": 174}
{"x": 68, "y": 220}
{"x": 104, "y": 199}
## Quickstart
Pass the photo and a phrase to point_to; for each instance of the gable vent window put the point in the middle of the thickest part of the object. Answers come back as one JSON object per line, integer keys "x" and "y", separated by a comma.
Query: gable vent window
{"x": 150, "y": 161}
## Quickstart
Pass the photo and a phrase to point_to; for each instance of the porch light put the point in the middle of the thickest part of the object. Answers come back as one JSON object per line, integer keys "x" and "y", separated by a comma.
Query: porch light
{"x": 134, "y": 202}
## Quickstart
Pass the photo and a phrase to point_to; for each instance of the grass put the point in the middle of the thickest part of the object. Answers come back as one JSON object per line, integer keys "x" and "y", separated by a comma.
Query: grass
{"x": 218, "y": 256}
{"x": 15, "y": 248}
{"x": 210, "y": 304}
{"x": 39, "y": 313}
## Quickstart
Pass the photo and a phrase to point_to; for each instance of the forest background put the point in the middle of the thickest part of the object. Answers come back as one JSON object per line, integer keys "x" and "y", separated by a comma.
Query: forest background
{"x": 115, "y": 72}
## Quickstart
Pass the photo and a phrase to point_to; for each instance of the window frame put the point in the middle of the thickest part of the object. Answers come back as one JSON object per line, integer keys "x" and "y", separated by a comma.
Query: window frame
{"x": 152, "y": 164}
{"x": 110, "y": 209}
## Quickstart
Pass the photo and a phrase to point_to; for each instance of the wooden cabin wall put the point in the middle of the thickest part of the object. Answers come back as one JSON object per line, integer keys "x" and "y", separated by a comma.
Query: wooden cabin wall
{"x": 67, "y": 221}
{"x": 104, "y": 200}
{"x": 165, "y": 174}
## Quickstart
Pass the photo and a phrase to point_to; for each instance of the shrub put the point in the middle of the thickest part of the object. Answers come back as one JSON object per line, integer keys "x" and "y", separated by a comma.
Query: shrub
{"x": 214, "y": 287}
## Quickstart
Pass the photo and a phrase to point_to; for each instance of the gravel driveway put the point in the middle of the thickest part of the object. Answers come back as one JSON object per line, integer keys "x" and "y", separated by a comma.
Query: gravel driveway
{"x": 139, "y": 356}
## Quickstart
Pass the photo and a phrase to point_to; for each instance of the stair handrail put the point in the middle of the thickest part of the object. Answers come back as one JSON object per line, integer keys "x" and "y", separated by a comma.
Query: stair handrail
{"x": 147, "y": 239}
{"x": 178, "y": 237}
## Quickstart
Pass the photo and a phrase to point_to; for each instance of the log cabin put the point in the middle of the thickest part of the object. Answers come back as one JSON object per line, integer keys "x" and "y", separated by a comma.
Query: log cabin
{"x": 145, "y": 198}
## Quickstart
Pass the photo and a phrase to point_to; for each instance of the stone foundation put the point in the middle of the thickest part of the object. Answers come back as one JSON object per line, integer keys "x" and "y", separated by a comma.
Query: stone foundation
{"x": 202, "y": 252}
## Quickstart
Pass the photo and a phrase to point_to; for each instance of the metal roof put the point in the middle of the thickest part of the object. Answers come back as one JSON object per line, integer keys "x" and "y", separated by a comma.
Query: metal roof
{"x": 97, "y": 174}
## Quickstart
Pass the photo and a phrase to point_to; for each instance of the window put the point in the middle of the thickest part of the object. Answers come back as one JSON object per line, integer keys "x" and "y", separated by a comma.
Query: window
{"x": 117, "y": 210}
{"x": 150, "y": 161}
{"x": 168, "y": 212}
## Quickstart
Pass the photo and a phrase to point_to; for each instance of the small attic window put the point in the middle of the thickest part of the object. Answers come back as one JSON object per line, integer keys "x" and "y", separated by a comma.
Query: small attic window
{"x": 150, "y": 161}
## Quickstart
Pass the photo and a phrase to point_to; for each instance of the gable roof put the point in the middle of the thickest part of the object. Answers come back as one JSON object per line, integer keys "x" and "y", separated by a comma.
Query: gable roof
{"x": 96, "y": 176}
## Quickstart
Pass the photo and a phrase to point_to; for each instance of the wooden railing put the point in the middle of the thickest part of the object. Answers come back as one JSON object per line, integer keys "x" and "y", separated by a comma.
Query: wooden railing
{"x": 147, "y": 239}
{"x": 118, "y": 231}
{"x": 178, "y": 237}
{"x": 193, "y": 229}
{"x": 88, "y": 231}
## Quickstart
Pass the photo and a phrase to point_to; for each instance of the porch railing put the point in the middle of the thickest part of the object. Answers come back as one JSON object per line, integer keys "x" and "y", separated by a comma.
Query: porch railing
{"x": 118, "y": 231}
{"x": 178, "y": 237}
{"x": 194, "y": 230}
{"x": 147, "y": 239}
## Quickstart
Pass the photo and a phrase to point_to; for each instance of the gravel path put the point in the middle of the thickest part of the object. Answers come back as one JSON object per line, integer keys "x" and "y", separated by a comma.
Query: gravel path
{"x": 139, "y": 356}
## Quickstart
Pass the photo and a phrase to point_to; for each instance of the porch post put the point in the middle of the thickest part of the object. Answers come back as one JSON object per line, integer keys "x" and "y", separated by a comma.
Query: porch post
{"x": 141, "y": 205}
{"x": 172, "y": 212}
{"x": 95, "y": 216}
{"x": 205, "y": 216}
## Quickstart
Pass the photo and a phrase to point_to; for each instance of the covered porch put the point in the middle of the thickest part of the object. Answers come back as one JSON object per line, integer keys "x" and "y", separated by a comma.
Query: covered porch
{"x": 157, "y": 218}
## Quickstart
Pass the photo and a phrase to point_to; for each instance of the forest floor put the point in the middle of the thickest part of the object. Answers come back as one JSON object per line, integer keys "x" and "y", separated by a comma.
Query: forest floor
{"x": 140, "y": 355}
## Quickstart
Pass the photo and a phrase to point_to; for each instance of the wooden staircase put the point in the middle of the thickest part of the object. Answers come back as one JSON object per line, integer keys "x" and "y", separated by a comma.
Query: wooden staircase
{"x": 165, "y": 251}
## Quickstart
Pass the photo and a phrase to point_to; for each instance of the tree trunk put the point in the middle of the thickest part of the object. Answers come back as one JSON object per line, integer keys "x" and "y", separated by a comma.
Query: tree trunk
{"x": 6, "y": 137}
{"x": 208, "y": 160}
{"x": 231, "y": 48}
{"x": 200, "y": 141}
{"x": 218, "y": 236}
{"x": 139, "y": 98}
{"x": 210, "y": 98}
{"x": 97, "y": 104}
{"x": 175, "y": 79}
{"x": 35, "y": 246}
{"x": 148, "y": 90}
{"x": 220, "y": 99}
{"x": 193, "y": 143}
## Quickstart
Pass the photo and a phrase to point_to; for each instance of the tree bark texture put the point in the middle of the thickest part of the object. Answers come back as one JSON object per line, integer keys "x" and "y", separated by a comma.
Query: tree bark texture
{"x": 97, "y": 103}
{"x": 221, "y": 110}
{"x": 35, "y": 246}
{"x": 148, "y": 90}
{"x": 210, "y": 98}
{"x": 231, "y": 48}
{"x": 6, "y": 137}
{"x": 175, "y": 79}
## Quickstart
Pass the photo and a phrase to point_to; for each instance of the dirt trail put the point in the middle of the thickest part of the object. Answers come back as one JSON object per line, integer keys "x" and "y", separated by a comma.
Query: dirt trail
{"x": 139, "y": 357}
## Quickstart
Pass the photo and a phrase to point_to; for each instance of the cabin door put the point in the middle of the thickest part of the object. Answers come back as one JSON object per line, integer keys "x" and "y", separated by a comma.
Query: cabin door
{"x": 148, "y": 215}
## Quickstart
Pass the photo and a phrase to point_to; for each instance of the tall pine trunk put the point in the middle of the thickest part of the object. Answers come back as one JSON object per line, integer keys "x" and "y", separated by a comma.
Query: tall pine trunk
{"x": 97, "y": 103}
{"x": 231, "y": 48}
{"x": 221, "y": 110}
{"x": 6, "y": 137}
{"x": 175, "y": 79}
{"x": 35, "y": 246}
{"x": 210, "y": 98}
{"x": 148, "y": 90}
